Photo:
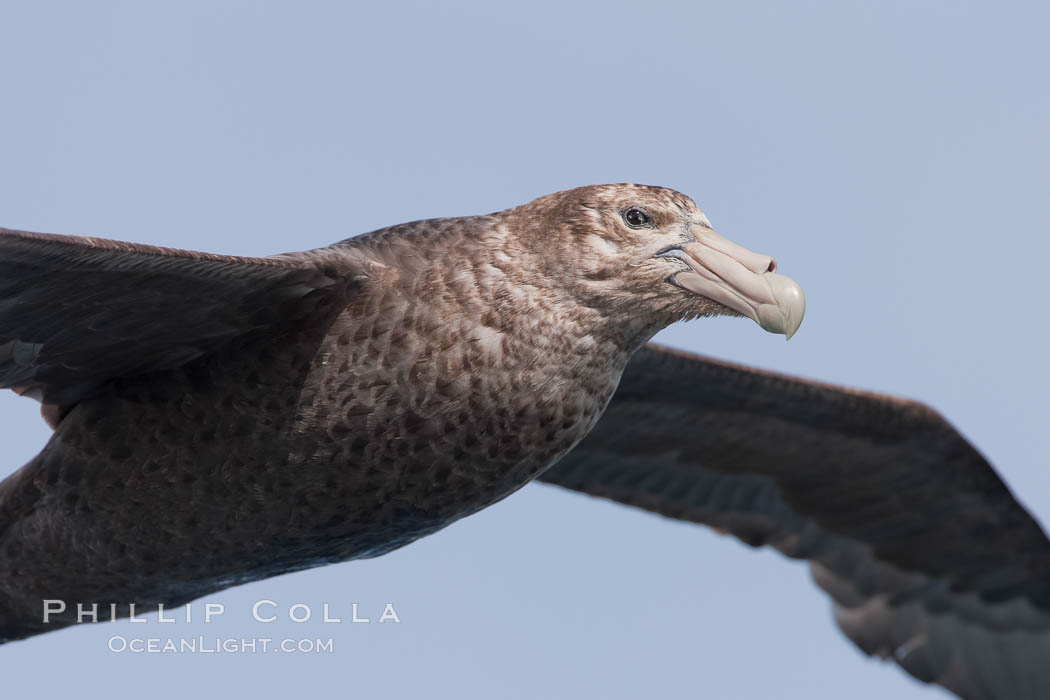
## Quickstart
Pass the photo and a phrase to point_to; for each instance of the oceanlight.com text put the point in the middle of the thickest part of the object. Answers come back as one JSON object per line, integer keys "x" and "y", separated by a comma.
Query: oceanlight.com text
{"x": 120, "y": 644}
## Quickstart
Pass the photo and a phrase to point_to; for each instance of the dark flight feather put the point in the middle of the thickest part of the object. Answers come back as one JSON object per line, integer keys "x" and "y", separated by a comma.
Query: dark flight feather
{"x": 929, "y": 559}
{"x": 76, "y": 312}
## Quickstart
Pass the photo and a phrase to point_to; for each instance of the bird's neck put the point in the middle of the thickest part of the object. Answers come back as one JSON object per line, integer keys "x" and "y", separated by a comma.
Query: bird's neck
{"x": 520, "y": 317}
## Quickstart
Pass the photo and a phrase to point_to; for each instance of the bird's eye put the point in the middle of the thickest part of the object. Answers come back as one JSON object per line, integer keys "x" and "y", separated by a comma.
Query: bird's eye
{"x": 636, "y": 218}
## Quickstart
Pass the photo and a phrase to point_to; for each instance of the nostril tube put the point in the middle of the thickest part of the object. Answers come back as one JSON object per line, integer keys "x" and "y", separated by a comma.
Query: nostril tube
{"x": 772, "y": 265}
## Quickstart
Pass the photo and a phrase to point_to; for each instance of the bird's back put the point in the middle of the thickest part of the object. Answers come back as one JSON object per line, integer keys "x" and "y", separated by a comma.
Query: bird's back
{"x": 341, "y": 433}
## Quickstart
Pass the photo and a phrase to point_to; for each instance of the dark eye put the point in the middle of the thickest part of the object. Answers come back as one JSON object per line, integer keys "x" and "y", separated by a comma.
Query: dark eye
{"x": 636, "y": 218}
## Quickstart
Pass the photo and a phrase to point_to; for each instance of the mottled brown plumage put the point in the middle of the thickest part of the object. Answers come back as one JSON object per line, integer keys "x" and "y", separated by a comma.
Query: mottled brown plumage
{"x": 227, "y": 419}
{"x": 219, "y": 420}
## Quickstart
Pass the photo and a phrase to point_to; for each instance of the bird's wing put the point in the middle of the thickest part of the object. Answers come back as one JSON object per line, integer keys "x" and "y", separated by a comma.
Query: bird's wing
{"x": 929, "y": 559}
{"x": 76, "y": 312}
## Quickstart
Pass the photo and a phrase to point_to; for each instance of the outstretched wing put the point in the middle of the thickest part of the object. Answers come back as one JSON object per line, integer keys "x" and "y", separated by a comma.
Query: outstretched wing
{"x": 929, "y": 559}
{"x": 76, "y": 312}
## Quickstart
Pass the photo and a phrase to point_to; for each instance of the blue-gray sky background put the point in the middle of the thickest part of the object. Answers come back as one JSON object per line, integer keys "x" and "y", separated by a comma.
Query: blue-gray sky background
{"x": 892, "y": 156}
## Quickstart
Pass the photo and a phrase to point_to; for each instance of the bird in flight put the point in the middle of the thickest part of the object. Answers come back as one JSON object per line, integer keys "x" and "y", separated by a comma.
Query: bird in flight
{"x": 220, "y": 419}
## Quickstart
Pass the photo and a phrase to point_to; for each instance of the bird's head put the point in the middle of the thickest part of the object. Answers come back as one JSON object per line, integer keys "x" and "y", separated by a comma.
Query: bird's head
{"x": 650, "y": 251}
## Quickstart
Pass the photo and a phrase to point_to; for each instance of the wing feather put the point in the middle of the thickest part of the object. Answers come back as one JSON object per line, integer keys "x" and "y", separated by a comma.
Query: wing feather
{"x": 76, "y": 312}
{"x": 928, "y": 557}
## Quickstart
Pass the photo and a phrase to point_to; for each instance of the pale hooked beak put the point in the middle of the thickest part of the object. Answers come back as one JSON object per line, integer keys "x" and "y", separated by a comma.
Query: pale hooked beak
{"x": 744, "y": 281}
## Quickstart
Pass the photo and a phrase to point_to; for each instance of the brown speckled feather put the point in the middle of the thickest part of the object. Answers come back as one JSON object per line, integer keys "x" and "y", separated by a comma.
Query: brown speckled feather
{"x": 928, "y": 557}
{"x": 226, "y": 419}
{"x": 220, "y": 420}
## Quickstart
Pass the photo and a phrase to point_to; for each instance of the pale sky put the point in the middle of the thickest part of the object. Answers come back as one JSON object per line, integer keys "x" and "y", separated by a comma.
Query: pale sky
{"x": 892, "y": 156}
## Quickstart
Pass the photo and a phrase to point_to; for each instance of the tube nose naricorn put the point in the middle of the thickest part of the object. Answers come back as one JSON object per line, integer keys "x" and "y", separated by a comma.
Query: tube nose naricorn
{"x": 742, "y": 280}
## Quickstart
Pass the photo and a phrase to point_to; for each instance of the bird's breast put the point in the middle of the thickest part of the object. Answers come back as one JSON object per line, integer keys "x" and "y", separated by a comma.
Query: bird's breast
{"x": 444, "y": 426}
